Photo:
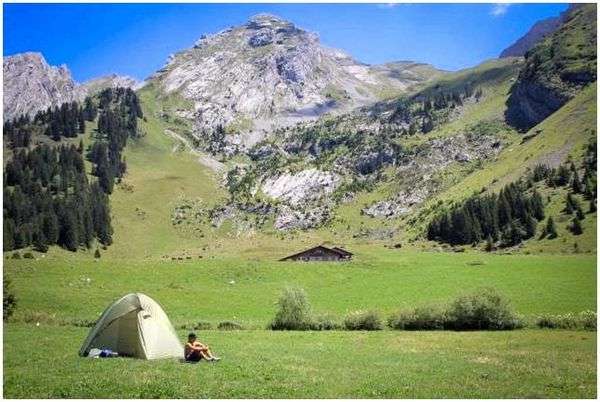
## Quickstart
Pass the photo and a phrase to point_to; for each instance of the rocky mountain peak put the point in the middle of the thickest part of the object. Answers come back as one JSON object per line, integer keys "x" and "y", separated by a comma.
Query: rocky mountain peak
{"x": 269, "y": 73}
{"x": 31, "y": 84}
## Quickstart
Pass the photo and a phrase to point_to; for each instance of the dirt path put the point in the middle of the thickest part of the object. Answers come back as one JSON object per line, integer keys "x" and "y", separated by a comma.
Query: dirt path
{"x": 203, "y": 158}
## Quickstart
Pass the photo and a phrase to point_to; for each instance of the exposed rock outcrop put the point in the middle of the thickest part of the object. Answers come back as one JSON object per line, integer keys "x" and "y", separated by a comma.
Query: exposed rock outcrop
{"x": 555, "y": 69}
{"x": 301, "y": 188}
{"x": 268, "y": 73}
{"x": 31, "y": 84}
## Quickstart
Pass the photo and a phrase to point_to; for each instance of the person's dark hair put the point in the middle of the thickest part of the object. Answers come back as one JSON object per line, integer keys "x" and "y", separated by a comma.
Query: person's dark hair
{"x": 191, "y": 335}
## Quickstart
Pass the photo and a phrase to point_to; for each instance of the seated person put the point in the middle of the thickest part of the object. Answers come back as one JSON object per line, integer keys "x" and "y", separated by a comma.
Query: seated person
{"x": 196, "y": 351}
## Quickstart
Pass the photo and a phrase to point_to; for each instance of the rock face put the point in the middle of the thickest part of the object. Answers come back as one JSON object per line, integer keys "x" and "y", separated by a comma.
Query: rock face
{"x": 30, "y": 85}
{"x": 555, "y": 69}
{"x": 536, "y": 34}
{"x": 268, "y": 73}
{"x": 301, "y": 188}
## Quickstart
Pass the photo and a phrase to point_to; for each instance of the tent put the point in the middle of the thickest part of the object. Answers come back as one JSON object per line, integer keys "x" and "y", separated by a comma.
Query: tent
{"x": 135, "y": 326}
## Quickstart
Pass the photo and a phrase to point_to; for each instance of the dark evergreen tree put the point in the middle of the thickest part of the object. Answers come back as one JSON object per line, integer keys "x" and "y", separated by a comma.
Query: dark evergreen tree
{"x": 575, "y": 227}
{"x": 550, "y": 230}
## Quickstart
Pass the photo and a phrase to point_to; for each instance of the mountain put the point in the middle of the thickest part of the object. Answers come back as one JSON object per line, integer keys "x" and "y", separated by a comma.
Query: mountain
{"x": 555, "y": 69}
{"x": 537, "y": 33}
{"x": 31, "y": 84}
{"x": 269, "y": 73}
{"x": 96, "y": 85}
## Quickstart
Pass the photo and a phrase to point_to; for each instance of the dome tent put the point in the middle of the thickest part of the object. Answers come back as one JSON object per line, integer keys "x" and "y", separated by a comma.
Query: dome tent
{"x": 135, "y": 326}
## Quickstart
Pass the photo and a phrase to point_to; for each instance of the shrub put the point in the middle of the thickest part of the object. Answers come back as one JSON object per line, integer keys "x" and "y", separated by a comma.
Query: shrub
{"x": 9, "y": 301}
{"x": 421, "y": 318}
{"x": 324, "y": 322}
{"x": 16, "y": 255}
{"x": 363, "y": 321}
{"x": 28, "y": 255}
{"x": 202, "y": 326}
{"x": 97, "y": 254}
{"x": 294, "y": 311}
{"x": 585, "y": 320}
{"x": 229, "y": 326}
{"x": 81, "y": 322}
{"x": 588, "y": 320}
{"x": 484, "y": 309}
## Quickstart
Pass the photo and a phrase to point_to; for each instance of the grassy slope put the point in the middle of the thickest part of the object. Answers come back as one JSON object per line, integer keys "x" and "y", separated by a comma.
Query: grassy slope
{"x": 494, "y": 78}
{"x": 158, "y": 176}
{"x": 526, "y": 364}
{"x": 563, "y": 135}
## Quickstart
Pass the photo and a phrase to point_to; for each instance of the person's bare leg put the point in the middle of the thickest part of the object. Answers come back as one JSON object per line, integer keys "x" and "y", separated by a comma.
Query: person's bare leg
{"x": 205, "y": 356}
{"x": 209, "y": 353}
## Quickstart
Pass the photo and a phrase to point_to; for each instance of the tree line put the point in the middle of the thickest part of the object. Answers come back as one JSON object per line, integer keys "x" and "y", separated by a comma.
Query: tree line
{"x": 64, "y": 121}
{"x": 117, "y": 121}
{"x": 512, "y": 215}
{"x": 48, "y": 198}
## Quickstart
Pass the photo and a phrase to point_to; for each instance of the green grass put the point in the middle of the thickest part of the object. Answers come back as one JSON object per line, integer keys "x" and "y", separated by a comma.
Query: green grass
{"x": 158, "y": 177}
{"x": 262, "y": 364}
{"x": 378, "y": 278}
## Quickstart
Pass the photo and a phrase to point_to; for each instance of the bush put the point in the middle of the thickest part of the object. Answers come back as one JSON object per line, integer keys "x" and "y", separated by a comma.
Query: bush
{"x": 294, "y": 311}
{"x": 585, "y": 320}
{"x": 28, "y": 255}
{"x": 81, "y": 322}
{"x": 363, "y": 321}
{"x": 9, "y": 301}
{"x": 16, "y": 255}
{"x": 484, "y": 309}
{"x": 421, "y": 318}
{"x": 97, "y": 254}
{"x": 325, "y": 322}
{"x": 229, "y": 326}
{"x": 202, "y": 326}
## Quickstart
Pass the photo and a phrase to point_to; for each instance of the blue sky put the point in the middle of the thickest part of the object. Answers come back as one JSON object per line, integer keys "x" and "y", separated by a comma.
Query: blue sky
{"x": 136, "y": 39}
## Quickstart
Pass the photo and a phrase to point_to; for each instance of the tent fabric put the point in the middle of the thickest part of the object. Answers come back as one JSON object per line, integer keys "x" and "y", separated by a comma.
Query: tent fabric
{"x": 135, "y": 326}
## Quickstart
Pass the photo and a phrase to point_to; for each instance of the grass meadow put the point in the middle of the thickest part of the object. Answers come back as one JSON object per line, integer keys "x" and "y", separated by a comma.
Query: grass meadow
{"x": 54, "y": 294}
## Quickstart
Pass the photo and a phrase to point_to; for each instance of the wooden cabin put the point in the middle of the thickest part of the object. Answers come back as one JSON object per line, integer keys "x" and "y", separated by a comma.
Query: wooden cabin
{"x": 320, "y": 253}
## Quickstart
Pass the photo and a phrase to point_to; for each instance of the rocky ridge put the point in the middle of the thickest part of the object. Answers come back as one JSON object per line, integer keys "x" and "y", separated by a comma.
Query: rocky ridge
{"x": 269, "y": 73}
{"x": 31, "y": 84}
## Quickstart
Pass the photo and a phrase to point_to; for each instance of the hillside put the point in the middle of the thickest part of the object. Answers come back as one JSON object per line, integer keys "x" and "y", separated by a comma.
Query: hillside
{"x": 377, "y": 170}
{"x": 555, "y": 69}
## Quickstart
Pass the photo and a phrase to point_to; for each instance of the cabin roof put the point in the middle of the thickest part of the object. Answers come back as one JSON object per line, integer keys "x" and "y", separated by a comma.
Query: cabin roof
{"x": 335, "y": 250}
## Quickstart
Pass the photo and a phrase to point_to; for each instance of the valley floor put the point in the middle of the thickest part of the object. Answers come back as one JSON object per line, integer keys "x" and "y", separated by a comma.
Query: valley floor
{"x": 56, "y": 295}
{"x": 265, "y": 364}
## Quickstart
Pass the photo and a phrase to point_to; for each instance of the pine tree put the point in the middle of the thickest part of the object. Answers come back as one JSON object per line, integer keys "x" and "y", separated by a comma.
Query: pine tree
{"x": 537, "y": 206}
{"x": 570, "y": 204}
{"x": 576, "y": 185}
{"x": 529, "y": 225}
{"x": 8, "y": 233}
{"x": 575, "y": 227}
{"x": 550, "y": 230}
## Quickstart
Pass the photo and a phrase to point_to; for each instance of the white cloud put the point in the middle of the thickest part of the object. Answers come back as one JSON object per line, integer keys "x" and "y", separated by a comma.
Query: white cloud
{"x": 388, "y": 5}
{"x": 499, "y": 9}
